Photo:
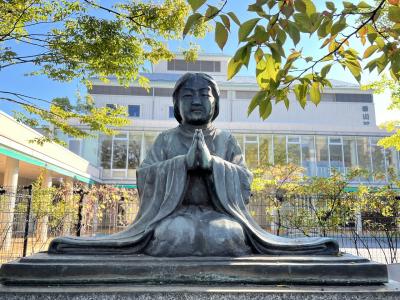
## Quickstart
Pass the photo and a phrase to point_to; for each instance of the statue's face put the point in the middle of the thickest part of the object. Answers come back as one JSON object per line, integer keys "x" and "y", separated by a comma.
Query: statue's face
{"x": 196, "y": 102}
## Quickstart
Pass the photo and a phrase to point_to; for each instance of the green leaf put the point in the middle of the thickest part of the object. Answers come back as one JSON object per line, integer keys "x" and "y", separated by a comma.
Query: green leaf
{"x": 315, "y": 93}
{"x": 394, "y": 13}
{"x": 221, "y": 35}
{"x": 234, "y": 18}
{"x": 293, "y": 56}
{"x": 354, "y": 67}
{"x": 364, "y": 5}
{"x": 260, "y": 35}
{"x": 349, "y": 5}
{"x": 211, "y": 12}
{"x": 300, "y": 90}
{"x": 265, "y": 108}
{"x": 303, "y": 22}
{"x": 226, "y": 22}
{"x": 241, "y": 57}
{"x": 277, "y": 51}
{"x": 293, "y": 32}
{"x": 300, "y": 6}
{"x": 310, "y": 7}
{"x": 339, "y": 26}
{"x": 258, "y": 55}
{"x": 234, "y": 66}
{"x": 325, "y": 70}
{"x": 370, "y": 50}
{"x": 195, "y": 4}
{"x": 193, "y": 19}
{"x": 372, "y": 36}
{"x": 246, "y": 28}
{"x": 286, "y": 101}
{"x": 281, "y": 37}
{"x": 258, "y": 97}
{"x": 330, "y": 5}
{"x": 325, "y": 28}
{"x": 271, "y": 67}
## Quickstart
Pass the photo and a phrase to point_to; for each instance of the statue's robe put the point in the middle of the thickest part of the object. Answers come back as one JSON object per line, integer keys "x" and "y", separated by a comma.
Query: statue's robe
{"x": 162, "y": 181}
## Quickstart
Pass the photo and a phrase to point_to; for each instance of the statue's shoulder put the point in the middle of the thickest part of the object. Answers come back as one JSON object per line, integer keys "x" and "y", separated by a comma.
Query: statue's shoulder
{"x": 225, "y": 134}
{"x": 167, "y": 135}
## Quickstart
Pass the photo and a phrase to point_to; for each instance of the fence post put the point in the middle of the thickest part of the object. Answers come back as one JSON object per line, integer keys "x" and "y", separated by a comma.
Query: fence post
{"x": 79, "y": 225}
{"x": 359, "y": 226}
{"x": 27, "y": 217}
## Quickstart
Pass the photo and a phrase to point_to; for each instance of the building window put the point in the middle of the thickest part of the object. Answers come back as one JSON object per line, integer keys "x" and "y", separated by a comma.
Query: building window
{"x": 335, "y": 152}
{"x": 223, "y": 94}
{"x": 199, "y": 65}
{"x": 366, "y": 98}
{"x": 163, "y": 92}
{"x": 134, "y": 111}
{"x": 74, "y": 145}
{"x": 171, "y": 112}
{"x": 120, "y": 90}
{"x": 248, "y": 95}
{"x": 112, "y": 106}
{"x": 293, "y": 149}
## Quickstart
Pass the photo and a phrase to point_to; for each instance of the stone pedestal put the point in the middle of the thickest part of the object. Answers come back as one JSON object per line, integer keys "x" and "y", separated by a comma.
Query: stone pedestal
{"x": 45, "y": 269}
{"x": 389, "y": 291}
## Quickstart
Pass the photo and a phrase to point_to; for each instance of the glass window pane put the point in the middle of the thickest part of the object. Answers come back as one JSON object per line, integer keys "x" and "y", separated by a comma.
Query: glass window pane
{"x": 171, "y": 112}
{"x": 251, "y": 155}
{"x": 378, "y": 161}
{"x": 119, "y": 154}
{"x": 180, "y": 65}
{"x": 364, "y": 160}
{"x": 75, "y": 146}
{"x": 194, "y": 66}
{"x": 350, "y": 153}
{"x": 322, "y": 156}
{"x": 105, "y": 151}
{"x": 279, "y": 149}
{"x": 308, "y": 155}
{"x": 392, "y": 161}
{"x": 149, "y": 138}
{"x": 90, "y": 150}
{"x": 217, "y": 66}
{"x": 266, "y": 153}
{"x": 134, "y": 110}
{"x": 135, "y": 140}
{"x": 336, "y": 156}
{"x": 223, "y": 94}
{"x": 171, "y": 65}
{"x": 121, "y": 135}
{"x": 293, "y": 139}
{"x": 294, "y": 154}
{"x": 207, "y": 66}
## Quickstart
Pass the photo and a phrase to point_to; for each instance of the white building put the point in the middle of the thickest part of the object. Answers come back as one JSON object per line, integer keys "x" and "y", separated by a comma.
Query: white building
{"x": 339, "y": 133}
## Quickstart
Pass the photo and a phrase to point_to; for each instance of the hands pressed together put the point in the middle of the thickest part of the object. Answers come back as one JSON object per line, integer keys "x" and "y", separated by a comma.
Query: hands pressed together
{"x": 198, "y": 156}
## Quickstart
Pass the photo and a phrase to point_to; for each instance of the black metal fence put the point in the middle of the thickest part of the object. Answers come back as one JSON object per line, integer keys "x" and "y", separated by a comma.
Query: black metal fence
{"x": 29, "y": 220}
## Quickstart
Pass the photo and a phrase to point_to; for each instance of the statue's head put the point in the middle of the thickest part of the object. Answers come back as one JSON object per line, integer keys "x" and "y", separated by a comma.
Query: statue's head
{"x": 196, "y": 99}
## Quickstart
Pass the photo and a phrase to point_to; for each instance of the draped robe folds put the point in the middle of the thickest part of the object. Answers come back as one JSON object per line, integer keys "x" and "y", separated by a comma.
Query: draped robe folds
{"x": 162, "y": 182}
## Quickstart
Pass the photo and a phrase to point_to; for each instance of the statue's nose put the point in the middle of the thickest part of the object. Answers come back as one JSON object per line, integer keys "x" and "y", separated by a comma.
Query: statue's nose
{"x": 196, "y": 100}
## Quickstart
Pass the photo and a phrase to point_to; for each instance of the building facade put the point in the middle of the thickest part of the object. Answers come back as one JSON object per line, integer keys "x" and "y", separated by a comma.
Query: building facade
{"x": 340, "y": 133}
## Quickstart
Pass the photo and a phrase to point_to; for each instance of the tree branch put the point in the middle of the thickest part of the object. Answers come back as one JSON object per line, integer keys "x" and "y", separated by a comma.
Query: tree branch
{"x": 16, "y": 22}
{"x": 374, "y": 12}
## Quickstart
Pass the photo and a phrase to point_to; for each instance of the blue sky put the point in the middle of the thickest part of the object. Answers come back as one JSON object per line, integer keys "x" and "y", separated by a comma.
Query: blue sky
{"x": 13, "y": 78}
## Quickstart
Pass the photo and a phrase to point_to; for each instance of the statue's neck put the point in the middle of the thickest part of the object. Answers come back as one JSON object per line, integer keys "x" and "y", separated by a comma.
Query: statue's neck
{"x": 188, "y": 128}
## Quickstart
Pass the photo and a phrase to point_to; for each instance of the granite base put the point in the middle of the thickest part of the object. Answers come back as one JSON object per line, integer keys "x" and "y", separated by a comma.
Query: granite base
{"x": 389, "y": 291}
{"x": 45, "y": 269}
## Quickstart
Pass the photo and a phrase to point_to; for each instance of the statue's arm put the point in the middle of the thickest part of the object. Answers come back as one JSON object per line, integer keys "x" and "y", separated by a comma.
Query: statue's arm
{"x": 234, "y": 160}
{"x": 157, "y": 163}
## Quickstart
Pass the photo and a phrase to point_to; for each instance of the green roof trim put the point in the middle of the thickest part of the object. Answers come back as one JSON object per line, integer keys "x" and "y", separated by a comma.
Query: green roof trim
{"x": 126, "y": 186}
{"x": 37, "y": 162}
